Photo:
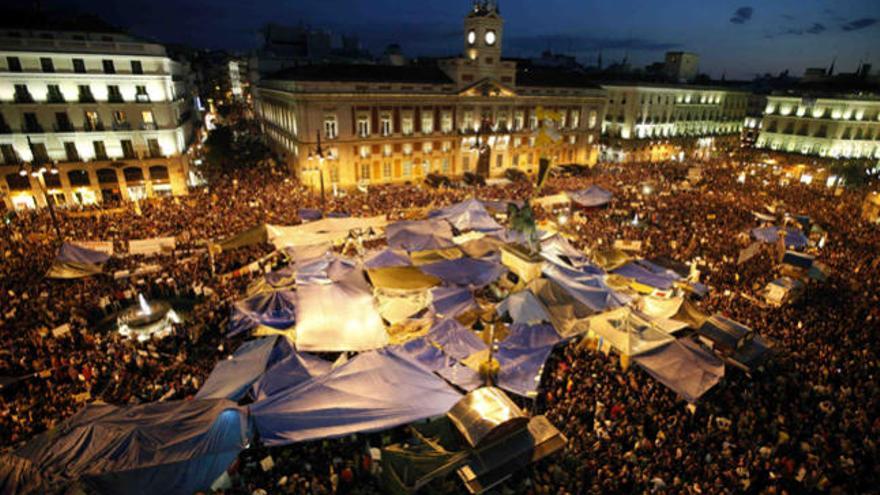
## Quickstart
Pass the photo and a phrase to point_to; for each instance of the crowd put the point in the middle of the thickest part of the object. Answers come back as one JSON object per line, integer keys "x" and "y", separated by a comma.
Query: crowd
{"x": 805, "y": 423}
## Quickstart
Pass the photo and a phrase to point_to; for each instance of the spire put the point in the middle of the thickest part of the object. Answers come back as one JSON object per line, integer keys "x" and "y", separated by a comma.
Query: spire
{"x": 831, "y": 69}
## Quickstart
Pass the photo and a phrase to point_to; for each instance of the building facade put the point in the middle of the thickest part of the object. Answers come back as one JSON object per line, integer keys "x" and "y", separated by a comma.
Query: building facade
{"x": 476, "y": 113}
{"x": 646, "y": 122}
{"x": 809, "y": 129}
{"x": 108, "y": 116}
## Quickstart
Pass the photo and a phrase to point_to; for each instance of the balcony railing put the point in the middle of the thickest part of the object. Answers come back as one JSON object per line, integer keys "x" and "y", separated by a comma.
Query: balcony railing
{"x": 32, "y": 129}
{"x": 88, "y": 127}
{"x": 149, "y": 126}
{"x": 121, "y": 126}
{"x": 24, "y": 98}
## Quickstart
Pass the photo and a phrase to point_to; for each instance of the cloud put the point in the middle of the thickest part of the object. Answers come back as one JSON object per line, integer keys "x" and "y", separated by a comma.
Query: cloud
{"x": 859, "y": 24}
{"x": 816, "y": 28}
{"x": 742, "y": 15}
{"x": 580, "y": 43}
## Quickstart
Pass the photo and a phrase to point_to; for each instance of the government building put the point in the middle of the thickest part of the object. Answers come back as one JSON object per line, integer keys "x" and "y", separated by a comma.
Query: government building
{"x": 475, "y": 113}
{"x": 90, "y": 117}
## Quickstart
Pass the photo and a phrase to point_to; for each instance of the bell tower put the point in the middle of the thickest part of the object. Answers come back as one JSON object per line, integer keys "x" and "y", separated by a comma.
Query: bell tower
{"x": 483, "y": 33}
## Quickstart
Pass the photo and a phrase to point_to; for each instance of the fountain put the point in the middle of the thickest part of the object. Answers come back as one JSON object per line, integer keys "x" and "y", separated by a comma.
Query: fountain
{"x": 146, "y": 319}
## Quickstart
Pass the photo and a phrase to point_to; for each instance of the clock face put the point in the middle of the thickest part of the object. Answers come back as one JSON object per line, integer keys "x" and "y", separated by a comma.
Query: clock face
{"x": 472, "y": 37}
{"x": 491, "y": 38}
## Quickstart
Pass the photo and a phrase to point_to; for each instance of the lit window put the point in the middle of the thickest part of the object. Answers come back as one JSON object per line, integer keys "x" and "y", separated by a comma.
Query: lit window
{"x": 330, "y": 127}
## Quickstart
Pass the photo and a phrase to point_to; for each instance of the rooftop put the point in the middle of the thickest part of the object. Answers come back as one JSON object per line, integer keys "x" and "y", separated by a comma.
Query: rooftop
{"x": 417, "y": 74}
{"x": 553, "y": 77}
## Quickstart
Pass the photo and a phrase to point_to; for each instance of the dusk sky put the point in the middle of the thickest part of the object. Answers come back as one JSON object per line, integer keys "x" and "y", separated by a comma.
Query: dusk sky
{"x": 740, "y": 38}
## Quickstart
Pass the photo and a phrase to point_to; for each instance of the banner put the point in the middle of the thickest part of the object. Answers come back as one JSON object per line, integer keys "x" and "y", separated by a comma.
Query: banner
{"x": 105, "y": 247}
{"x": 628, "y": 245}
{"x": 61, "y": 331}
{"x": 156, "y": 245}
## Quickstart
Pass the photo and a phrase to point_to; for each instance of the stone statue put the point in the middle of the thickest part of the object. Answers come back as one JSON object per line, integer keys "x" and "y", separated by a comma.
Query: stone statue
{"x": 522, "y": 220}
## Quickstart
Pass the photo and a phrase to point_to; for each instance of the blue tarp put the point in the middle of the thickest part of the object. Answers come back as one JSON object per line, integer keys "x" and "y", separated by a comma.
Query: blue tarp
{"x": 523, "y": 307}
{"x": 793, "y": 237}
{"x": 590, "y": 197}
{"x": 450, "y": 302}
{"x": 467, "y": 215}
{"x": 330, "y": 267}
{"x": 272, "y": 309}
{"x": 294, "y": 369}
{"x": 71, "y": 253}
{"x": 522, "y": 355}
{"x": 283, "y": 277}
{"x": 799, "y": 260}
{"x": 422, "y": 351}
{"x": 231, "y": 378}
{"x": 587, "y": 288}
{"x": 419, "y": 235}
{"x": 650, "y": 274}
{"x": 462, "y": 377}
{"x": 309, "y": 214}
{"x": 455, "y": 340}
{"x": 557, "y": 249}
{"x": 374, "y": 391}
{"x": 164, "y": 447}
{"x": 387, "y": 258}
{"x": 465, "y": 272}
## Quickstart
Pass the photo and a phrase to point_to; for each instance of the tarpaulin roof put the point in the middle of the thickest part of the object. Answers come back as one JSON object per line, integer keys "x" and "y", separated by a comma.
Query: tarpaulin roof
{"x": 419, "y": 235}
{"x": 275, "y": 309}
{"x": 657, "y": 307}
{"x": 650, "y": 274}
{"x": 339, "y": 316}
{"x": 422, "y": 351}
{"x": 281, "y": 279}
{"x": 462, "y": 376}
{"x": 522, "y": 355}
{"x": 690, "y": 314}
{"x": 467, "y": 215}
{"x": 250, "y": 237}
{"x": 162, "y": 447}
{"x": 386, "y": 258}
{"x": 793, "y": 237}
{"x": 397, "y": 306}
{"x": 231, "y": 378}
{"x": 455, "y": 340}
{"x": 18, "y": 476}
{"x": 585, "y": 287}
{"x": 374, "y": 391}
{"x": 628, "y": 332}
{"x": 591, "y": 196}
{"x": 324, "y": 269}
{"x": 452, "y": 301}
{"x": 524, "y": 307}
{"x": 685, "y": 367}
{"x": 327, "y": 230}
{"x": 565, "y": 311}
{"x": 72, "y": 253}
{"x": 402, "y": 278}
{"x": 797, "y": 259}
{"x": 291, "y": 371}
{"x": 557, "y": 249}
{"x": 724, "y": 332}
{"x": 466, "y": 272}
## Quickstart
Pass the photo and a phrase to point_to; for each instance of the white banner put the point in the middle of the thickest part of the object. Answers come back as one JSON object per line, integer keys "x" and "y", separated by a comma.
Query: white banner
{"x": 628, "y": 245}
{"x": 105, "y": 247}
{"x": 156, "y": 245}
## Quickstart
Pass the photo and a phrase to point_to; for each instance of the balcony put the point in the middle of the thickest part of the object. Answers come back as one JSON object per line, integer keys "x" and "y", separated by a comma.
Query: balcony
{"x": 32, "y": 129}
{"x": 141, "y": 98}
{"x": 24, "y": 98}
{"x": 153, "y": 154}
{"x": 149, "y": 126}
{"x": 97, "y": 127}
{"x": 63, "y": 127}
{"x": 121, "y": 126}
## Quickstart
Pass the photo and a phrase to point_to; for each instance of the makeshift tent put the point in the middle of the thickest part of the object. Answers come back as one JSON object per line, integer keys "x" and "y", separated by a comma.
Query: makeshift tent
{"x": 465, "y": 272}
{"x": 18, "y": 476}
{"x": 75, "y": 261}
{"x": 275, "y": 310}
{"x": 567, "y": 314}
{"x": 401, "y": 292}
{"x": 685, "y": 367}
{"x": 419, "y": 235}
{"x": 657, "y": 307}
{"x": 420, "y": 258}
{"x": 324, "y": 269}
{"x": 289, "y": 372}
{"x": 338, "y": 316}
{"x": 798, "y": 260}
{"x": 480, "y": 248}
{"x": 462, "y": 377}
{"x": 373, "y": 391}
{"x": 402, "y": 278}
{"x": 521, "y": 357}
{"x": 588, "y": 288}
{"x": 690, "y": 314}
{"x": 723, "y": 333}
{"x": 231, "y": 378}
{"x": 650, "y": 274}
{"x": 782, "y": 291}
{"x": 386, "y": 258}
{"x": 281, "y": 279}
{"x": 556, "y": 249}
{"x": 451, "y": 301}
{"x": 591, "y": 197}
{"x": 424, "y": 352}
{"x": 455, "y": 340}
{"x": 610, "y": 259}
{"x": 467, "y": 215}
{"x": 523, "y": 307}
{"x": 251, "y": 237}
{"x": 161, "y": 447}
{"x": 628, "y": 332}
{"x": 749, "y": 252}
{"x": 794, "y": 238}
{"x": 486, "y": 415}
{"x": 328, "y": 230}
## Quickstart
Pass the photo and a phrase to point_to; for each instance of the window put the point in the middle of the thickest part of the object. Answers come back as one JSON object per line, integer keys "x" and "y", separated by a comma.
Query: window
{"x": 127, "y": 149}
{"x": 446, "y": 122}
{"x": 53, "y": 94}
{"x": 136, "y": 67}
{"x": 406, "y": 125}
{"x": 446, "y": 146}
{"x": 92, "y": 122}
{"x": 70, "y": 151}
{"x": 10, "y": 157}
{"x": 334, "y": 173}
{"x": 14, "y": 64}
{"x": 113, "y": 94}
{"x": 141, "y": 94}
{"x": 100, "y": 150}
{"x": 39, "y": 152}
{"x": 407, "y": 168}
{"x": 31, "y": 124}
{"x": 499, "y": 161}
{"x": 62, "y": 122}
{"x": 159, "y": 173}
{"x": 468, "y": 120}
{"x": 533, "y": 122}
{"x": 387, "y": 149}
{"x": 365, "y": 171}
{"x": 119, "y": 117}
{"x": 85, "y": 94}
{"x": 386, "y": 124}
{"x": 575, "y": 119}
{"x": 427, "y": 122}
{"x": 427, "y": 148}
{"x": 153, "y": 148}
{"x": 79, "y": 66}
{"x": 46, "y": 64}
{"x": 364, "y": 152}
{"x": 147, "y": 119}
{"x": 386, "y": 170}
{"x": 519, "y": 120}
{"x": 22, "y": 95}
{"x": 330, "y": 128}
{"x": 79, "y": 178}
{"x": 593, "y": 118}
{"x": 446, "y": 166}
{"x": 407, "y": 149}
{"x": 108, "y": 67}
{"x": 466, "y": 163}
{"x": 363, "y": 126}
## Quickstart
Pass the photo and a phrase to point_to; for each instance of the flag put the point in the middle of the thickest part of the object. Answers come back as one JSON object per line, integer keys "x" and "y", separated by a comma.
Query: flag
{"x": 543, "y": 172}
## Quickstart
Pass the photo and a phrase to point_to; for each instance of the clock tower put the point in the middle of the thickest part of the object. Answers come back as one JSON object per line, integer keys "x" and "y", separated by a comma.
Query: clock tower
{"x": 483, "y": 30}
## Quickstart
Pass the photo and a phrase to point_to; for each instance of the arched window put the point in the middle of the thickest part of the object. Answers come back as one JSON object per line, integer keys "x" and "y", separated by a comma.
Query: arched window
{"x": 133, "y": 174}
{"x": 159, "y": 173}
{"x": 78, "y": 178}
{"x": 107, "y": 176}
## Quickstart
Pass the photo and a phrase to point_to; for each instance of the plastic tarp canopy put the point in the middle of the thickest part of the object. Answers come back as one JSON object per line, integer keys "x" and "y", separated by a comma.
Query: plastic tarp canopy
{"x": 799, "y": 260}
{"x": 521, "y": 357}
{"x": 422, "y": 351}
{"x": 462, "y": 377}
{"x": 524, "y": 307}
{"x": 386, "y": 258}
{"x": 323, "y": 270}
{"x": 281, "y": 279}
{"x": 231, "y": 378}
{"x": 72, "y": 253}
{"x": 556, "y": 249}
{"x": 629, "y": 333}
{"x": 373, "y": 391}
{"x": 657, "y": 307}
{"x": 328, "y": 230}
{"x": 587, "y": 288}
{"x": 591, "y": 197}
{"x": 611, "y": 258}
{"x": 291, "y": 371}
{"x": 685, "y": 367}
{"x": 18, "y": 476}
{"x": 161, "y": 447}
{"x": 406, "y": 278}
{"x": 339, "y": 316}
{"x": 467, "y": 215}
{"x": 690, "y": 314}
{"x": 455, "y": 340}
{"x": 466, "y": 272}
{"x": 793, "y": 237}
{"x": 724, "y": 332}
{"x": 452, "y": 301}
{"x": 647, "y": 273}
{"x": 422, "y": 235}
{"x": 396, "y": 306}
{"x": 250, "y": 237}
{"x": 567, "y": 314}
{"x": 275, "y": 310}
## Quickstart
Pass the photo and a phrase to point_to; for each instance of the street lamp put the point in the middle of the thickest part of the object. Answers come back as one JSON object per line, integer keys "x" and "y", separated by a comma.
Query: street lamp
{"x": 37, "y": 169}
{"x": 319, "y": 153}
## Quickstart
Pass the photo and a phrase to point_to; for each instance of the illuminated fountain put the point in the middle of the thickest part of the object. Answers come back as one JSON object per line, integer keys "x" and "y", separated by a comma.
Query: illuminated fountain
{"x": 146, "y": 319}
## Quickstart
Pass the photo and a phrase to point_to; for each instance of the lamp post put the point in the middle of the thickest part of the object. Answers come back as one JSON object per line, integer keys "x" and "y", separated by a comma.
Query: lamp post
{"x": 319, "y": 152}
{"x": 37, "y": 169}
